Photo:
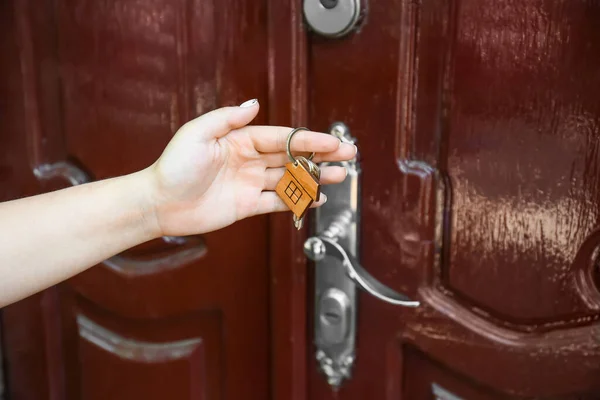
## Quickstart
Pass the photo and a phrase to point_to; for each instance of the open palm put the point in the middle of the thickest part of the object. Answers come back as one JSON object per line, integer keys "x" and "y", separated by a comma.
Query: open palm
{"x": 217, "y": 170}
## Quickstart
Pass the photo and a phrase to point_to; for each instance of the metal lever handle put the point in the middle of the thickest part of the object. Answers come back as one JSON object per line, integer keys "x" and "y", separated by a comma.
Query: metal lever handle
{"x": 338, "y": 274}
{"x": 316, "y": 248}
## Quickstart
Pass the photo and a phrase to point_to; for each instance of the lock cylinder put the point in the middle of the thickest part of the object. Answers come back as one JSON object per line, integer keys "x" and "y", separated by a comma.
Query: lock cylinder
{"x": 332, "y": 18}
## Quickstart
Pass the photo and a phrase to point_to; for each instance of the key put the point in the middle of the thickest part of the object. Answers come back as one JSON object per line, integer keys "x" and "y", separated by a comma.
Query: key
{"x": 300, "y": 187}
{"x": 315, "y": 171}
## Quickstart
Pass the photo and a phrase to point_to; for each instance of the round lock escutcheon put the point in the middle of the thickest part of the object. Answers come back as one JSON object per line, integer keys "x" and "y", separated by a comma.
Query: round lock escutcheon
{"x": 332, "y": 18}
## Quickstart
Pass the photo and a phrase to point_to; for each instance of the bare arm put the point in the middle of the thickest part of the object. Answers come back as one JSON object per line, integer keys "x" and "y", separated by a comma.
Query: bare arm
{"x": 48, "y": 238}
{"x": 215, "y": 171}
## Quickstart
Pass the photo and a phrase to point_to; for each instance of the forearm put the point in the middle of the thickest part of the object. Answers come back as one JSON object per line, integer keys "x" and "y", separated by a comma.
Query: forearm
{"x": 49, "y": 238}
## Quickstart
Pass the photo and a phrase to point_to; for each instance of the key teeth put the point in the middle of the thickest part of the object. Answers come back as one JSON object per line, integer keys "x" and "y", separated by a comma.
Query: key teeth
{"x": 298, "y": 222}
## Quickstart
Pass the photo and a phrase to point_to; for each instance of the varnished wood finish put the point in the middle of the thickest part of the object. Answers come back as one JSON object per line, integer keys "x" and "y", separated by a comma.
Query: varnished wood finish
{"x": 23, "y": 325}
{"x": 298, "y": 189}
{"x": 288, "y": 106}
{"x": 101, "y": 86}
{"x": 477, "y": 124}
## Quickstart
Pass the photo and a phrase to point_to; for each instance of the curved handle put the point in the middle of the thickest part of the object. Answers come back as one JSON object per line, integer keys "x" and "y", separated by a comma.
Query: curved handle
{"x": 316, "y": 248}
{"x": 335, "y": 250}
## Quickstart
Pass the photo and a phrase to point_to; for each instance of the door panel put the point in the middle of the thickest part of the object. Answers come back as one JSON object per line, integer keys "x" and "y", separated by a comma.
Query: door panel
{"x": 522, "y": 156}
{"x": 133, "y": 68}
{"x": 477, "y": 128}
{"x": 477, "y": 125}
{"x": 105, "y": 85}
{"x": 426, "y": 379}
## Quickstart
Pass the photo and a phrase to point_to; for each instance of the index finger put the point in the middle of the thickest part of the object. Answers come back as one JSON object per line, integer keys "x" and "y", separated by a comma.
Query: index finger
{"x": 272, "y": 139}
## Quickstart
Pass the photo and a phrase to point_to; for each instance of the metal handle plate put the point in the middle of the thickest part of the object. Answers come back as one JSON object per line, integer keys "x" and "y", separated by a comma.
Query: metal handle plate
{"x": 338, "y": 272}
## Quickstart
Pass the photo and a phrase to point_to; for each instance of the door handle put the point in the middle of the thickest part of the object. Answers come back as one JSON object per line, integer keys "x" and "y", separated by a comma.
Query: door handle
{"x": 316, "y": 248}
{"x": 334, "y": 249}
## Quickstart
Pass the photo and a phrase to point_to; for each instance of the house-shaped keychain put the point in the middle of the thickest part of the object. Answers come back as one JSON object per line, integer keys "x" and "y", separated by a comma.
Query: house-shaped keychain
{"x": 298, "y": 188}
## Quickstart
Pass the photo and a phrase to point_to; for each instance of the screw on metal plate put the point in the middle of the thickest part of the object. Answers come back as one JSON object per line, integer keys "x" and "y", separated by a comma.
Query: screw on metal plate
{"x": 338, "y": 273}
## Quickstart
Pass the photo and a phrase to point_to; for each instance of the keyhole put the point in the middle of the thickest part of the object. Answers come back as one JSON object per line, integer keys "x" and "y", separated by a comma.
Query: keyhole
{"x": 329, "y": 4}
{"x": 332, "y": 317}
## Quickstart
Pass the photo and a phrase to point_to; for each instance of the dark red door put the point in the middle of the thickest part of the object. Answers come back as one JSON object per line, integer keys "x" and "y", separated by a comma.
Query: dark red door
{"x": 94, "y": 89}
{"x": 497, "y": 232}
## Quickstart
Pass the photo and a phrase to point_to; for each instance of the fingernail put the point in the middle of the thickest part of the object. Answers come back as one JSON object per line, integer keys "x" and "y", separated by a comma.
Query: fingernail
{"x": 249, "y": 103}
{"x": 355, "y": 149}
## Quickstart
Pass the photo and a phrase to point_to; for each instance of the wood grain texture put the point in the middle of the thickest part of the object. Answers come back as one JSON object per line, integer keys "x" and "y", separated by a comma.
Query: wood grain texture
{"x": 477, "y": 129}
{"x": 309, "y": 183}
{"x": 543, "y": 203}
{"x": 298, "y": 189}
{"x": 293, "y": 194}
{"x": 288, "y": 92}
{"x": 477, "y": 135}
{"x": 24, "y": 343}
{"x": 103, "y": 86}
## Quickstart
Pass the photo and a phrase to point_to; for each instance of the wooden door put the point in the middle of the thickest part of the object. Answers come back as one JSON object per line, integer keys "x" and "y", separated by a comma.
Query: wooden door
{"x": 495, "y": 227}
{"x": 92, "y": 89}
{"x": 495, "y": 234}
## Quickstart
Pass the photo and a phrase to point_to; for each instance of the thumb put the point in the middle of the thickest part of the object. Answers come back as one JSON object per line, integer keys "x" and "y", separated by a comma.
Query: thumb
{"x": 220, "y": 122}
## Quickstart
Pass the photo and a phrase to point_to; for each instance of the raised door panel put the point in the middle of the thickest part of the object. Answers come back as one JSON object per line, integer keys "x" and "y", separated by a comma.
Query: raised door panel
{"x": 515, "y": 282}
{"x": 512, "y": 302}
{"x": 109, "y": 361}
{"x": 105, "y": 86}
{"x": 522, "y": 139}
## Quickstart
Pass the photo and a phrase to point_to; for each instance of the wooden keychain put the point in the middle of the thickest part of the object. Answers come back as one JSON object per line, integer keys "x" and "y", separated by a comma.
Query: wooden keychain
{"x": 300, "y": 185}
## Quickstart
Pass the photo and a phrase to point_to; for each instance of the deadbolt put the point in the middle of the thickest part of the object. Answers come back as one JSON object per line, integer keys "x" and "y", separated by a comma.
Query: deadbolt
{"x": 332, "y": 18}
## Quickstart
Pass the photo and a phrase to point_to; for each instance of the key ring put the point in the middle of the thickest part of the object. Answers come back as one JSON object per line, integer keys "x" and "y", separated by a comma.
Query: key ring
{"x": 310, "y": 166}
{"x": 289, "y": 141}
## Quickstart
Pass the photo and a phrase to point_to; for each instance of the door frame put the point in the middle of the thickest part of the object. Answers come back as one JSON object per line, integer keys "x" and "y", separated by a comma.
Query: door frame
{"x": 287, "y": 105}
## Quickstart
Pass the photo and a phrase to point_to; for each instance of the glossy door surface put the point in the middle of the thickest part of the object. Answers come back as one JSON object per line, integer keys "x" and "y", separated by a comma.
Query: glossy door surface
{"x": 93, "y": 89}
{"x": 492, "y": 224}
{"x": 495, "y": 229}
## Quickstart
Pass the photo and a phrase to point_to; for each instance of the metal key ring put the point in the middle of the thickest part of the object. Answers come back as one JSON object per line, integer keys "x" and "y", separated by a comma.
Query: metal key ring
{"x": 312, "y": 168}
{"x": 289, "y": 142}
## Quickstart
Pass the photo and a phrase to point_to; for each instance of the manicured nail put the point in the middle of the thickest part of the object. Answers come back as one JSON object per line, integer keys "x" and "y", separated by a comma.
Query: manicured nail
{"x": 249, "y": 103}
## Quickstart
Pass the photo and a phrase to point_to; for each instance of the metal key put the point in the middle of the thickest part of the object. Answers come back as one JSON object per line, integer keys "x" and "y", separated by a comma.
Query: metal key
{"x": 300, "y": 187}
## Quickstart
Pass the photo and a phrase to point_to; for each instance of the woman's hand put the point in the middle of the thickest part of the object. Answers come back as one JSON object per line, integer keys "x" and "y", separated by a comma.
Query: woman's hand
{"x": 217, "y": 170}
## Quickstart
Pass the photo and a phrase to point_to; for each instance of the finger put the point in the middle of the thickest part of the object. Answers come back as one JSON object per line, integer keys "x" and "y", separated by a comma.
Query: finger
{"x": 269, "y": 202}
{"x": 345, "y": 152}
{"x": 219, "y": 122}
{"x": 329, "y": 175}
{"x": 272, "y": 139}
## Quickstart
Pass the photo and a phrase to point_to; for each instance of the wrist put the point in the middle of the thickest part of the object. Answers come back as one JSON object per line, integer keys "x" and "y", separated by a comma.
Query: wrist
{"x": 147, "y": 204}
